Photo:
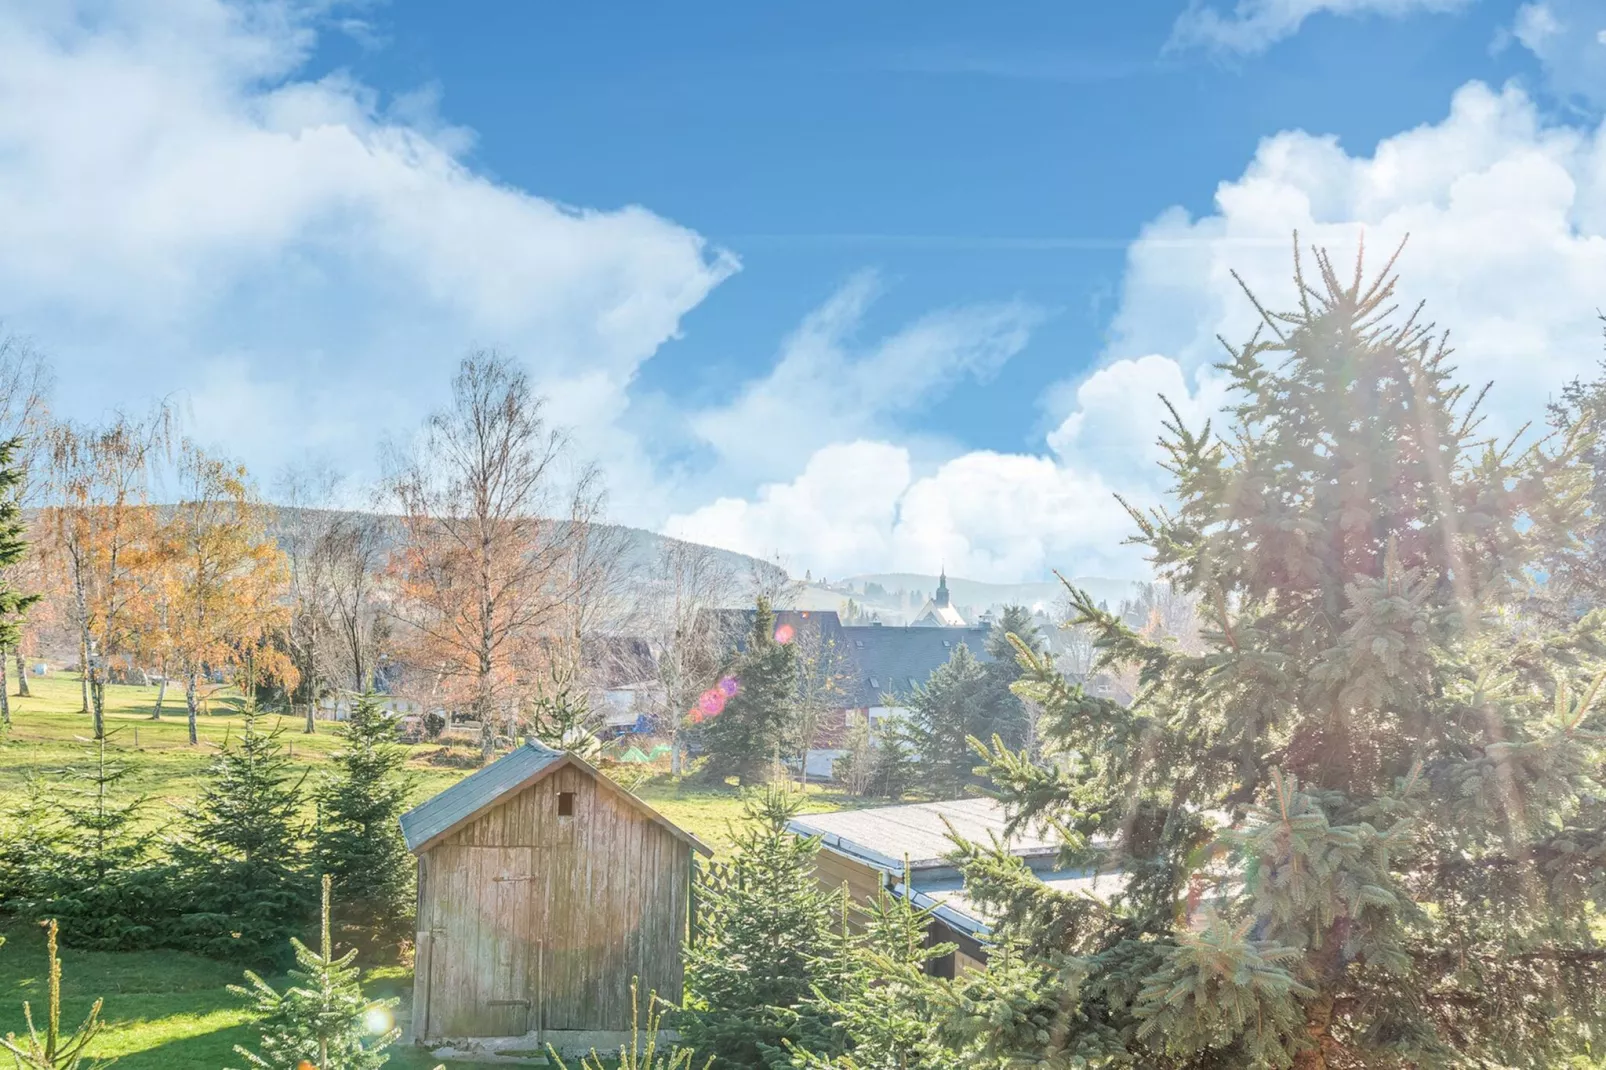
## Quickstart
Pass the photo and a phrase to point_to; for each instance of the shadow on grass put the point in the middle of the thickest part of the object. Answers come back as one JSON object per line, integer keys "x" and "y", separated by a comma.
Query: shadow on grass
{"x": 164, "y": 1010}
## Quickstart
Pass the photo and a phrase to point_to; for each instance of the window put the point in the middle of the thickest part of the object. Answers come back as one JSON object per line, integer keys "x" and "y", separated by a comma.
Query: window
{"x": 946, "y": 644}
{"x": 873, "y": 682}
{"x": 565, "y": 804}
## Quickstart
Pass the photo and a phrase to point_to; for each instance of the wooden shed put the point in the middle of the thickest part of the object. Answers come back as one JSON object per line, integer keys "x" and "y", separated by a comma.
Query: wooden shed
{"x": 543, "y": 888}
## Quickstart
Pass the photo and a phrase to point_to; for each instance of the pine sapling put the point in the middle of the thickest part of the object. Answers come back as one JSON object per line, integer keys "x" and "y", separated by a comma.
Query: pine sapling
{"x": 322, "y": 1018}
{"x": 52, "y": 1051}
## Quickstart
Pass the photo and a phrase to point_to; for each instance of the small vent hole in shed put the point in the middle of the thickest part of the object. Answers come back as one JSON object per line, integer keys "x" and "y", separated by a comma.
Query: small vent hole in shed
{"x": 565, "y": 804}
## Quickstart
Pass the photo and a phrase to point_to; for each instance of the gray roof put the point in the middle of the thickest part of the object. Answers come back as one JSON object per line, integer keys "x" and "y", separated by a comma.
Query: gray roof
{"x": 893, "y": 661}
{"x": 736, "y": 625}
{"x": 885, "y": 835}
{"x": 946, "y": 897}
{"x": 880, "y": 661}
{"x": 440, "y": 814}
{"x": 473, "y": 793}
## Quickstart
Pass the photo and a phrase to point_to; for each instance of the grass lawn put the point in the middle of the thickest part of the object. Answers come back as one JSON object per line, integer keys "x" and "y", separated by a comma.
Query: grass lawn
{"x": 171, "y": 1010}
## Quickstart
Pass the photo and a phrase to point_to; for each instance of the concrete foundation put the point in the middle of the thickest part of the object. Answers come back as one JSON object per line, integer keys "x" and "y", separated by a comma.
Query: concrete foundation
{"x": 531, "y": 1048}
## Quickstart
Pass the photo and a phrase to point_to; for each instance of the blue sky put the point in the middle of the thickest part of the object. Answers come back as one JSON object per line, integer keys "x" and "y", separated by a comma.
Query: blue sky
{"x": 865, "y": 289}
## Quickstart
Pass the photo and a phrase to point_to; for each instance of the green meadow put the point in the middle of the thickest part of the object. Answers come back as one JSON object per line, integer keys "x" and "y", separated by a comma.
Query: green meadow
{"x": 169, "y": 1010}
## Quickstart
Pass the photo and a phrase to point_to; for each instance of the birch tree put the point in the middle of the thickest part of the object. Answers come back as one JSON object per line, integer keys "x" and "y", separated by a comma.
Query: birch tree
{"x": 692, "y": 582}
{"x": 100, "y": 524}
{"x": 824, "y": 674}
{"x": 494, "y": 520}
{"x": 226, "y": 577}
{"x": 304, "y": 522}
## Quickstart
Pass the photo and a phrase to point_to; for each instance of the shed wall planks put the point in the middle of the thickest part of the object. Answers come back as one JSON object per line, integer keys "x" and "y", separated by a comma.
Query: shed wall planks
{"x": 529, "y": 921}
{"x": 834, "y": 870}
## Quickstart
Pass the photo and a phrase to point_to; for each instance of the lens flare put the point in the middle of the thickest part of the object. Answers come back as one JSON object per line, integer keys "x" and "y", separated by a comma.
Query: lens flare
{"x": 378, "y": 1020}
{"x": 783, "y": 634}
{"x": 729, "y": 686}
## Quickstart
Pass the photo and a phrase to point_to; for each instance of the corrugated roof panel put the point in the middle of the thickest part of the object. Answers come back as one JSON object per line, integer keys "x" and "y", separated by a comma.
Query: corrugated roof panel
{"x": 885, "y": 835}
{"x": 439, "y": 813}
{"x": 954, "y": 907}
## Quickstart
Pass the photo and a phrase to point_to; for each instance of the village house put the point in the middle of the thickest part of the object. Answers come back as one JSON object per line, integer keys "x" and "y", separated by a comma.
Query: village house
{"x": 884, "y": 667}
{"x": 868, "y": 850}
{"x": 622, "y": 678}
{"x": 543, "y": 889}
{"x": 877, "y": 667}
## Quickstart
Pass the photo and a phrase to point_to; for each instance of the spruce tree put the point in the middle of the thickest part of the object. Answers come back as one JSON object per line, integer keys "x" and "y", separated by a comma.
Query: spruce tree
{"x": 879, "y": 760}
{"x": 99, "y": 879}
{"x": 242, "y": 855}
{"x": 1362, "y": 828}
{"x": 767, "y": 935}
{"x": 322, "y": 1016}
{"x": 885, "y": 1006}
{"x": 752, "y": 726}
{"x": 945, "y": 712}
{"x": 1002, "y": 713}
{"x": 30, "y": 835}
{"x": 1576, "y": 573}
{"x": 13, "y": 549}
{"x": 357, "y": 840}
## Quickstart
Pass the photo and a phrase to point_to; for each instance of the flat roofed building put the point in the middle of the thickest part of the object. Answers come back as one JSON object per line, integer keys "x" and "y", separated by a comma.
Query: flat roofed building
{"x": 873, "y": 848}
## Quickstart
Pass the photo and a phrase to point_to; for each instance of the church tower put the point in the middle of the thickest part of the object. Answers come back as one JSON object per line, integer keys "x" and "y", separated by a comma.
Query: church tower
{"x": 938, "y": 612}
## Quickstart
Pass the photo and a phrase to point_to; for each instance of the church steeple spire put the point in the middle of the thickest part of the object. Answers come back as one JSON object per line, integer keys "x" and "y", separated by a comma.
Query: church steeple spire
{"x": 942, "y": 588}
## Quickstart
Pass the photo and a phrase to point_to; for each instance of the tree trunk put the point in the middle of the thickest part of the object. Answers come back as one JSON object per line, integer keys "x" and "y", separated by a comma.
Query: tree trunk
{"x": 83, "y": 668}
{"x": 811, "y": 729}
{"x": 1328, "y": 967}
{"x": 97, "y": 697}
{"x": 161, "y": 692}
{"x": 22, "y": 675}
{"x": 189, "y": 700}
{"x": 487, "y": 729}
{"x": 5, "y": 703}
{"x": 311, "y": 727}
{"x": 1318, "y": 1024}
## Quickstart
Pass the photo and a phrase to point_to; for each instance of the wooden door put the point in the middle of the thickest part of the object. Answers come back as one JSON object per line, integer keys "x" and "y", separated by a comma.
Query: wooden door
{"x": 482, "y": 961}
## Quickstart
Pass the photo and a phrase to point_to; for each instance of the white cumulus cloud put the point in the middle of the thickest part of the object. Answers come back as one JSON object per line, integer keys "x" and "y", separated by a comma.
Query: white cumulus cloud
{"x": 1506, "y": 212}
{"x": 868, "y": 506}
{"x": 1569, "y": 39}
{"x": 182, "y": 208}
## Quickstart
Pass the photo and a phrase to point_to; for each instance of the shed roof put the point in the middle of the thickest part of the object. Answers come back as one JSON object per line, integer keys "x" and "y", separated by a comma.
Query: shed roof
{"x": 449, "y": 810}
{"x": 884, "y": 836}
